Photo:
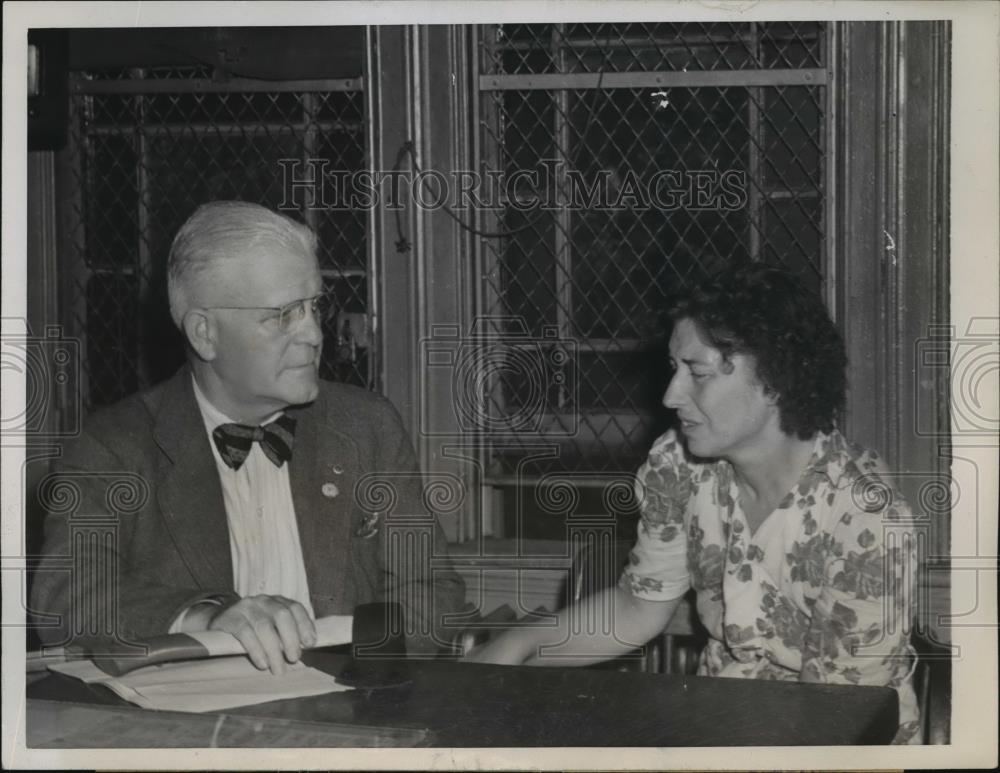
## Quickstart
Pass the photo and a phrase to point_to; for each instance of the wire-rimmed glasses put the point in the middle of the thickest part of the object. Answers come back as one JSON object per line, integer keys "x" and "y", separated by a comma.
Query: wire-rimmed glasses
{"x": 289, "y": 316}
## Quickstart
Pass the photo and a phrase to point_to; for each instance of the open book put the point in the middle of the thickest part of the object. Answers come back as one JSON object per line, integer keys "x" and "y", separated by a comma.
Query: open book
{"x": 191, "y": 671}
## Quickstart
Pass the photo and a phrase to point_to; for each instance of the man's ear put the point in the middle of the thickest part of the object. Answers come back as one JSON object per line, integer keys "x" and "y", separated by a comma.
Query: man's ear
{"x": 200, "y": 331}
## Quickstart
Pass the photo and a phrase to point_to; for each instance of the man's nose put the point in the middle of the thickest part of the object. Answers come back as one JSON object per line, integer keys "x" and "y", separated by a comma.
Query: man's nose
{"x": 310, "y": 330}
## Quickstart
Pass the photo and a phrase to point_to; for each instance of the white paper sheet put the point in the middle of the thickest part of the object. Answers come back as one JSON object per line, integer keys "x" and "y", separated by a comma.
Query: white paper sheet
{"x": 212, "y": 684}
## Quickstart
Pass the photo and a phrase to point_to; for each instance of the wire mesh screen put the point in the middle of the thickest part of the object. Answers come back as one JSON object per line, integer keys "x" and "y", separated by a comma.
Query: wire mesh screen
{"x": 148, "y": 147}
{"x": 641, "y": 190}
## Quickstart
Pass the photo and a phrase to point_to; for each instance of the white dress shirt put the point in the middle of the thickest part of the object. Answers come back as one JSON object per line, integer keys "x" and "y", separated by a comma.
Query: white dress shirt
{"x": 263, "y": 533}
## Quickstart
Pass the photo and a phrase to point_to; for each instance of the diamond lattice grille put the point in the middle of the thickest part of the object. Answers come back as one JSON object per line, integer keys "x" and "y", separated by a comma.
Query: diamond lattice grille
{"x": 599, "y": 270}
{"x": 142, "y": 161}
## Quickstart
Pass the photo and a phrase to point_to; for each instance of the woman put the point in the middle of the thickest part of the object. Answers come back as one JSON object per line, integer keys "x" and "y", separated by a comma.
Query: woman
{"x": 757, "y": 502}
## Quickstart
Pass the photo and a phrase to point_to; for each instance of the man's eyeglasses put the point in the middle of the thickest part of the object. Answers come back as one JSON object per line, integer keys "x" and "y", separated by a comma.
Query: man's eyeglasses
{"x": 289, "y": 316}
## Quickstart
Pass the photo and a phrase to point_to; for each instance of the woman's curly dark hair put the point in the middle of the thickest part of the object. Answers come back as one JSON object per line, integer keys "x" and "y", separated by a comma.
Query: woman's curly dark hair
{"x": 766, "y": 313}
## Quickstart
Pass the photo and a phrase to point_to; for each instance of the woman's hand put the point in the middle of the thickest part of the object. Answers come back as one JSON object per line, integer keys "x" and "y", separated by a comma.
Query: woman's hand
{"x": 636, "y": 622}
{"x": 511, "y": 648}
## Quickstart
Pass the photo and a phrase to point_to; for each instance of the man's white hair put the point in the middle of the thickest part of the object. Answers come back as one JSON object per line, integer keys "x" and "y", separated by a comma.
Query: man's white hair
{"x": 221, "y": 231}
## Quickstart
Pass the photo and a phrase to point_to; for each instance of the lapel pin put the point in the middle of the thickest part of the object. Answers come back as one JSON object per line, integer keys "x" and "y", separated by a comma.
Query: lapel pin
{"x": 330, "y": 490}
{"x": 369, "y": 526}
{"x": 338, "y": 470}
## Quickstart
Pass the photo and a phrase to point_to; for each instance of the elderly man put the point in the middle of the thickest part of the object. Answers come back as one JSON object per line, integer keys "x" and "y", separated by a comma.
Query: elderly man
{"x": 256, "y": 520}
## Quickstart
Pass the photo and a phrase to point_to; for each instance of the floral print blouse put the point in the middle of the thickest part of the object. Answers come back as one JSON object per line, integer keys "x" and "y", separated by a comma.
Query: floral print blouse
{"x": 823, "y": 591}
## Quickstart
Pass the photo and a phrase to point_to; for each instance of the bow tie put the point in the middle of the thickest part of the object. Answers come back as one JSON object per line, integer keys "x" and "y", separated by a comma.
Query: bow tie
{"x": 234, "y": 441}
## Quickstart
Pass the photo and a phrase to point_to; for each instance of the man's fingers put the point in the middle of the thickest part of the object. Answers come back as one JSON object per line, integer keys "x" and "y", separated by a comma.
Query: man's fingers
{"x": 272, "y": 629}
{"x": 248, "y": 638}
{"x": 272, "y": 645}
{"x": 303, "y": 623}
{"x": 287, "y": 633}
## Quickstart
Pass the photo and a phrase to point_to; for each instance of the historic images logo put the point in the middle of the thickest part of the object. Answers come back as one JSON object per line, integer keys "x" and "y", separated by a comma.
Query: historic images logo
{"x": 312, "y": 184}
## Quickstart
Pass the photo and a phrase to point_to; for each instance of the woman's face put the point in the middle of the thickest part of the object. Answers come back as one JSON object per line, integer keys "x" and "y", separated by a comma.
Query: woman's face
{"x": 723, "y": 409}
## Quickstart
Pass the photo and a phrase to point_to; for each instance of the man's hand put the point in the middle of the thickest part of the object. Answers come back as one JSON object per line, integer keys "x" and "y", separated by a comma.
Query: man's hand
{"x": 272, "y": 629}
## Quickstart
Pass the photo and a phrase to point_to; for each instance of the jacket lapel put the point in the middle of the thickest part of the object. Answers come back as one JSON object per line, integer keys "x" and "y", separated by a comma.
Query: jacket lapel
{"x": 323, "y": 471}
{"x": 188, "y": 488}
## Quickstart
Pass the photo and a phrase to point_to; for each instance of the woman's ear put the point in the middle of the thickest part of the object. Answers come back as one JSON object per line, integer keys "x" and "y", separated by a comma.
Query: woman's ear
{"x": 200, "y": 331}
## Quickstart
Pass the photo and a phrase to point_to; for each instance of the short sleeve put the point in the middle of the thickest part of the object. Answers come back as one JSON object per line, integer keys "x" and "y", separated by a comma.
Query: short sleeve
{"x": 657, "y": 568}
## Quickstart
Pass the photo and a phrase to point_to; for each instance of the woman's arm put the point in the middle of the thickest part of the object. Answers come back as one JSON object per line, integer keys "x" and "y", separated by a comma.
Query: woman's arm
{"x": 647, "y": 595}
{"x": 623, "y": 623}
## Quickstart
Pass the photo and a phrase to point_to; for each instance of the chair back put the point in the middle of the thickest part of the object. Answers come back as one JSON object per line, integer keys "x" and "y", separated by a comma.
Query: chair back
{"x": 932, "y": 683}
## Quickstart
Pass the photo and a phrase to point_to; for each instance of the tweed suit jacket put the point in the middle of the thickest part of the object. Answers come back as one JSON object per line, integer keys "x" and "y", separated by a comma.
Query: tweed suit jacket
{"x": 146, "y": 462}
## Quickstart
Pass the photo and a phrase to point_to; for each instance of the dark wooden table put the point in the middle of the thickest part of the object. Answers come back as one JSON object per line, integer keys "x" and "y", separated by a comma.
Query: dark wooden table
{"x": 450, "y": 704}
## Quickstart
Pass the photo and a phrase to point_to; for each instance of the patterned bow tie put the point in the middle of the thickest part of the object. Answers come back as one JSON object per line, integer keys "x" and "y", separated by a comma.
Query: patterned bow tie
{"x": 234, "y": 441}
